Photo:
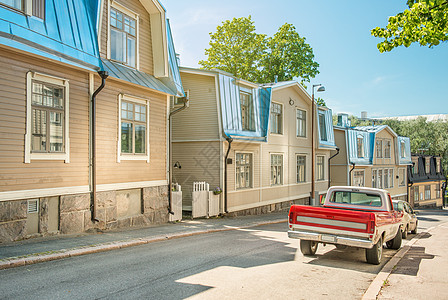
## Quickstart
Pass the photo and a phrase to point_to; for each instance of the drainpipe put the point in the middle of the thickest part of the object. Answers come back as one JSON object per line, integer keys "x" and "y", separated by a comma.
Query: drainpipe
{"x": 103, "y": 75}
{"x": 350, "y": 174}
{"x": 170, "y": 179}
{"x": 229, "y": 140}
{"x": 329, "y": 169}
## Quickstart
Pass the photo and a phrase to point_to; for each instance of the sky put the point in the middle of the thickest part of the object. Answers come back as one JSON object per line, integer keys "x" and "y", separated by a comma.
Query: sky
{"x": 356, "y": 76}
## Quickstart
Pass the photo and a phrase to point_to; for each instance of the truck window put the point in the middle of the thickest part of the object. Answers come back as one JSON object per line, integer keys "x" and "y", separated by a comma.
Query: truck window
{"x": 356, "y": 198}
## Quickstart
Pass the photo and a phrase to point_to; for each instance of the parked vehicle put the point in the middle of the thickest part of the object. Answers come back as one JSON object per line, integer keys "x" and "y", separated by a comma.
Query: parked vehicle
{"x": 409, "y": 222}
{"x": 351, "y": 216}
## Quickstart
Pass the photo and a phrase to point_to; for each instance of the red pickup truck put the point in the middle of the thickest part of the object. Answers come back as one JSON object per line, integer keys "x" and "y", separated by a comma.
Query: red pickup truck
{"x": 350, "y": 216}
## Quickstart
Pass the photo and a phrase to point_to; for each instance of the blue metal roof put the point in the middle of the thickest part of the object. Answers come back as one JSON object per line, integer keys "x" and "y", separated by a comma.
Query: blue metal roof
{"x": 231, "y": 109}
{"x": 368, "y": 142}
{"x": 67, "y": 34}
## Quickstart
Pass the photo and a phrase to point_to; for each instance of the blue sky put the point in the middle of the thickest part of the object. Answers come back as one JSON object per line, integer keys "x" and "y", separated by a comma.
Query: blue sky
{"x": 406, "y": 81}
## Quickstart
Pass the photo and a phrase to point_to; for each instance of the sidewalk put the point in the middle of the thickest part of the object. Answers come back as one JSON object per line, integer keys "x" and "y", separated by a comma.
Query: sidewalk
{"x": 57, "y": 247}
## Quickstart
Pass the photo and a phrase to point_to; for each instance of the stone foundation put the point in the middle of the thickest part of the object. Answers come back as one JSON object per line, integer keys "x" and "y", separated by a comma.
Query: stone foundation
{"x": 277, "y": 207}
{"x": 114, "y": 209}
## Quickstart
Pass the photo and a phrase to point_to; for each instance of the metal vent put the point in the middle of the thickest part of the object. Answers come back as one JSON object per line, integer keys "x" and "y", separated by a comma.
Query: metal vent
{"x": 33, "y": 206}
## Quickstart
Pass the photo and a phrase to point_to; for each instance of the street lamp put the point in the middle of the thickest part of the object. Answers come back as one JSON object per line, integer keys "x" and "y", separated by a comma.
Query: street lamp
{"x": 320, "y": 88}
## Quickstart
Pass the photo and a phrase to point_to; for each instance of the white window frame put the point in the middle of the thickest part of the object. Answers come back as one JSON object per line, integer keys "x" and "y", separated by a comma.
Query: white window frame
{"x": 281, "y": 119}
{"x": 251, "y": 185}
{"x": 282, "y": 166}
{"x": 304, "y": 123}
{"x": 322, "y": 129}
{"x": 252, "y": 121}
{"x": 317, "y": 168}
{"x": 127, "y": 11}
{"x": 358, "y": 172}
{"x": 427, "y": 192}
{"x": 360, "y": 137}
{"x": 304, "y": 171}
{"x": 386, "y": 179}
{"x": 375, "y": 178}
{"x": 402, "y": 149}
{"x": 379, "y": 148}
{"x": 391, "y": 178}
{"x": 29, "y": 156}
{"x": 387, "y": 142}
{"x": 133, "y": 156}
{"x": 402, "y": 177}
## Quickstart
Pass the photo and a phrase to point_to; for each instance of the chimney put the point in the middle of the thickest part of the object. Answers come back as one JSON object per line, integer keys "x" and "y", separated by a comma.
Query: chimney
{"x": 343, "y": 120}
{"x": 363, "y": 115}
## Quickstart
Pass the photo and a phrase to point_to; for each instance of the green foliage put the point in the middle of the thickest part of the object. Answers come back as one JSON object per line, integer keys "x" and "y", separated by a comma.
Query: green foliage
{"x": 321, "y": 102}
{"x": 425, "y": 22}
{"x": 236, "y": 48}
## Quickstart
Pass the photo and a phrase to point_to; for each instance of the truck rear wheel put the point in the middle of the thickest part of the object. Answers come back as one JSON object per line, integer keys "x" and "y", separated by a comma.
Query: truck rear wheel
{"x": 395, "y": 243}
{"x": 308, "y": 247}
{"x": 373, "y": 255}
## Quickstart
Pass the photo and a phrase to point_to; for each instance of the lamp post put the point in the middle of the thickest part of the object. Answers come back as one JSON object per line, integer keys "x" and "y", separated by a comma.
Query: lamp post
{"x": 320, "y": 88}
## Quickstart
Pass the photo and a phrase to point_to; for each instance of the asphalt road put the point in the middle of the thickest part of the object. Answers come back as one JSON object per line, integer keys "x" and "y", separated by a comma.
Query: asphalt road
{"x": 257, "y": 263}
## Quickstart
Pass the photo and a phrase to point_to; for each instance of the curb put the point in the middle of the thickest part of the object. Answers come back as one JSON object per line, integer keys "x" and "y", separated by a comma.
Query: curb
{"x": 65, "y": 253}
{"x": 377, "y": 284}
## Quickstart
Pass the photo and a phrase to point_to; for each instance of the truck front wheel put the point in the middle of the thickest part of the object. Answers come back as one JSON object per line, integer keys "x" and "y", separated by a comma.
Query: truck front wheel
{"x": 308, "y": 247}
{"x": 373, "y": 255}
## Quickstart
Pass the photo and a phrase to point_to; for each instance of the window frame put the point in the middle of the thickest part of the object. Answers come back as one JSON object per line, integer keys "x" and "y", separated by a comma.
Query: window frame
{"x": 379, "y": 148}
{"x": 374, "y": 178}
{"x": 302, "y": 120}
{"x": 251, "y": 174}
{"x": 249, "y": 108}
{"x": 318, "y": 166}
{"x": 387, "y": 148}
{"x": 133, "y": 156}
{"x": 274, "y": 182}
{"x": 279, "y": 119}
{"x": 322, "y": 127}
{"x": 55, "y": 81}
{"x": 124, "y": 10}
{"x": 402, "y": 149}
{"x": 358, "y": 172}
{"x": 304, "y": 167}
{"x": 358, "y": 148}
{"x": 402, "y": 171}
{"x": 28, "y": 8}
{"x": 427, "y": 192}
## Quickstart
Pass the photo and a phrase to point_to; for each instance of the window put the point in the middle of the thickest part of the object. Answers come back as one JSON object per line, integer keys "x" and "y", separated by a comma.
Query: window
{"x": 322, "y": 128}
{"x": 133, "y": 128}
{"x": 380, "y": 179}
{"x": 276, "y": 169}
{"x": 374, "y": 178}
{"x": 358, "y": 178}
{"x": 402, "y": 176}
{"x": 301, "y": 123}
{"x": 379, "y": 148}
{"x": 47, "y": 121}
{"x": 416, "y": 192}
{"x": 387, "y": 149}
{"x": 438, "y": 190}
{"x": 427, "y": 165}
{"x": 386, "y": 178}
{"x": 34, "y": 8}
{"x": 301, "y": 168}
{"x": 320, "y": 168}
{"x": 123, "y": 37}
{"x": 391, "y": 178}
{"x": 402, "y": 149}
{"x": 427, "y": 192}
{"x": 247, "y": 111}
{"x": 276, "y": 118}
{"x": 356, "y": 198}
{"x": 360, "y": 144}
{"x": 243, "y": 167}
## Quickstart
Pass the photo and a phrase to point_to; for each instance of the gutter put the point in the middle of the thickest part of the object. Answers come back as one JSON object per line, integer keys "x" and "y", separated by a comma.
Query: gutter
{"x": 329, "y": 169}
{"x": 103, "y": 75}
{"x": 170, "y": 180}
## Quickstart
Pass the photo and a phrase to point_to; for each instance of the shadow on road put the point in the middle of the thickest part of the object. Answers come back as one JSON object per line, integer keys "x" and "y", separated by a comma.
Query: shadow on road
{"x": 410, "y": 263}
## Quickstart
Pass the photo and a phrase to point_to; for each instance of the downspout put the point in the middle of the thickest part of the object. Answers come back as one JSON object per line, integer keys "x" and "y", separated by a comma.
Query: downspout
{"x": 350, "y": 174}
{"x": 229, "y": 140}
{"x": 103, "y": 75}
{"x": 329, "y": 169}
{"x": 170, "y": 177}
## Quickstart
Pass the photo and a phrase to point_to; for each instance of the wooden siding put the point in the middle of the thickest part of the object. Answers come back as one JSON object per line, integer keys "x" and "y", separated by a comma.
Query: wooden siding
{"x": 200, "y": 161}
{"x": 144, "y": 35}
{"x": 14, "y": 173}
{"x": 108, "y": 169}
{"x": 200, "y": 120}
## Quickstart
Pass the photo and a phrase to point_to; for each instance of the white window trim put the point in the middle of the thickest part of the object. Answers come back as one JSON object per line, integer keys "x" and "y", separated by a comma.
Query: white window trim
{"x": 306, "y": 162}
{"x": 283, "y": 167}
{"x": 127, "y": 11}
{"x": 363, "y": 177}
{"x": 399, "y": 178}
{"x": 323, "y": 171}
{"x": 141, "y": 157}
{"x": 391, "y": 178}
{"x": 283, "y": 120}
{"x": 360, "y": 137}
{"x": 306, "y": 125}
{"x": 252, "y": 170}
{"x": 29, "y": 156}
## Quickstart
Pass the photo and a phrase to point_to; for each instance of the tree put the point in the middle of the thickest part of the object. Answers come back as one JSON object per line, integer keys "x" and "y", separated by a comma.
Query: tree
{"x": 321, "y": 102}
{"x": 288, "y": 56}
{"x": 425, "y": 22}
{"x": 235, "y": 47}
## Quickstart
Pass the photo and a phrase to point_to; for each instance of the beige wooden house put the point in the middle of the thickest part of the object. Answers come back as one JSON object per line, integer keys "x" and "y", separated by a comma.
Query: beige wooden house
{"x": 371, "y": 156}
{"x": 49, "y": 75}
{"x": 260, "y": 133}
